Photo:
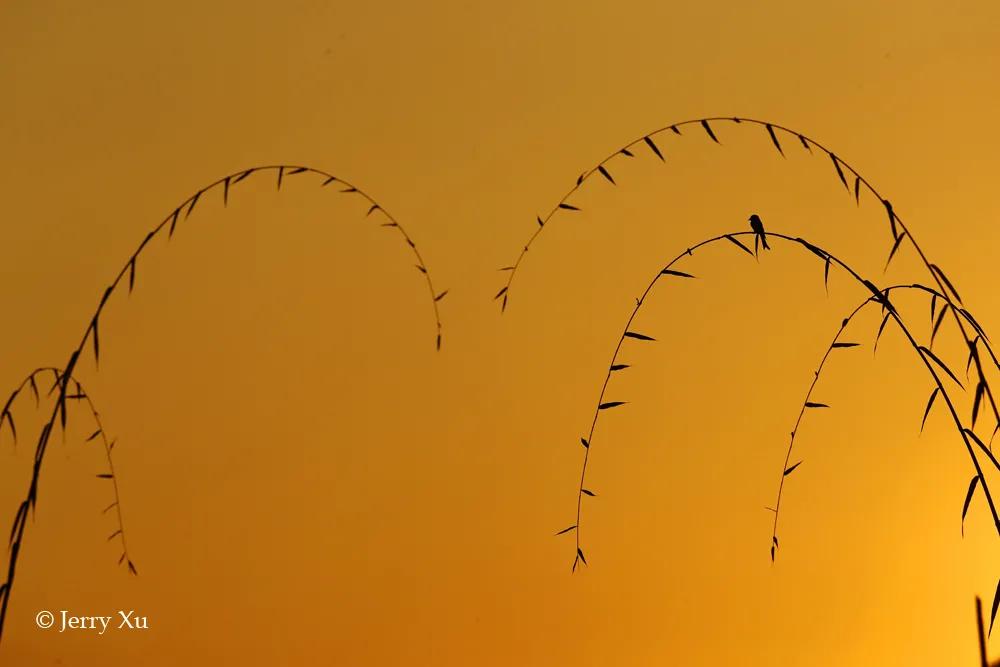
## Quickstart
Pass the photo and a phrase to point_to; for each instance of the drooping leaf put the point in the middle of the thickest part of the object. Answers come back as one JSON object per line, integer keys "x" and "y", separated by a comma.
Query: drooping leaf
{"x": 789, "y": 470}
{"x": 637, "y": 336}
{"x": 774, "y": 139}
{"x": 194, "y": 200}
{"x": 805, "y": 143}
{"x": 975, "y": 325}
{"x": 675, "y": 129}
{"x": 679, "y": 274}
{"x": 996, "y": 604}
{"x": 895, "y": 247}
{"x": 173, "y": 222}
{"x": 421, "y": 268}
{"x": 892, "y": 219}
{"x": 131, "y": 568}
{"x": 441, "y": 295}
{"x": 329, "y": 179}
{"x": 579, "y": 552}
{"x": 587, "y": 492}
{"x": 881, "y": 327}
{"x": 96, "y": 340}
{"x": 980, "y": 390}
{"x": 968, "y": 500}
{"x": 944, "y": 279}
{"x": 739, "y": 244}
{"x": 610, "y": 404}
{"x": 840, "y": 172}
{"x": 372, "y": 209}
{"x": 930, "y": 404}
{"x": 252, "y": 170}
{"x": 626, "y": 152}
{"x": 605, "y": 174}
{"x": 541, "y": 223}
{"x": 109, "y": 507}
{"x": 566, "y": 530}
{"x": 653, "y": 147}
{"x": 857, "y": 190}
{"x": 93, "y": 435}
{"x": 708, "y": 129}
{"x": 826, "y": 275}
{"x": 940, "y": 363}
{"x": 131, "y": 274}
{"x": 281, "y": 174}
{"x": 585, "y": 443}
{"x": 500, "y": 293}
{"x": 579, "y": 179}
{"x": 938, "y": 321}
{"x": 225, "y": 192}
{"x": 114, "y": 534}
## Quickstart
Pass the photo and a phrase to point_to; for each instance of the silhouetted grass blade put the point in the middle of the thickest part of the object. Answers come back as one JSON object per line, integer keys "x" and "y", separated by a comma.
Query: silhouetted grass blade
{"x": 813, "y": 404}
{"x": 587, "y": 492}
{"x": 619, "y": 367}
{"x": 996, "y": 604}
{"x": 637, "y": 336}
{"x": 843, "y": 345}
{"x": 788, "y": 471}
{"x": 653, "y": 147}
{"x": 708, "y": 129}
{"x": 610, "y": 404}
{"x": 930, "y": 404}
{"x": 672, "y": 272}
{"x": 857, "y": 190}
{"x": 940, "y": 363}
{"x": 568, "y": 207}
{"x": 968, "y": 499}
{"x": 605, "y": 174}
{"x": 585, "y": 443}
{"x": 774, "y": 139}
{"x": 739, "y": 244}
{"x": 951, "y": 288}
{"x": 566, "y": 530}
{"x": 840, "y": 172}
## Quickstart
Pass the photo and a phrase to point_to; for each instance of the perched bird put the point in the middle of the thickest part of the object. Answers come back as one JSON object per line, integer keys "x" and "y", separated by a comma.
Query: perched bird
{"x": 759, "y": 236}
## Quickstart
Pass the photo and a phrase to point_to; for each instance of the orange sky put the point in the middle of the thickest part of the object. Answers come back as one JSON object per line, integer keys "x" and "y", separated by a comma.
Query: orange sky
{"x": 305, "y": 481}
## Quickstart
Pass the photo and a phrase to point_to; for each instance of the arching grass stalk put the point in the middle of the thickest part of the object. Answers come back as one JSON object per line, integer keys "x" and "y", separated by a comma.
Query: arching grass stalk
{"x": 929, "y": 359}
{"x": 127, "y": 275}
{"x": 79, "y": 394}
{"x": 844, "y": 171}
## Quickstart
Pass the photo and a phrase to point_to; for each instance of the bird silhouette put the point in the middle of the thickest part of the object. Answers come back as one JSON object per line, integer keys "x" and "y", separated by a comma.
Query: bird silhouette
{"x": 760, "y": 238}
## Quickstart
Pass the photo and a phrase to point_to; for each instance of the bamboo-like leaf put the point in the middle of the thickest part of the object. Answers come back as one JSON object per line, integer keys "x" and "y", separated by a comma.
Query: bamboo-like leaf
{"x": 892, "y": 253}
{"x": 587, "y": 492}
{"x": 938, "y": 321}
{"x": 109, "y": 507}
{"x": 441, "y": 295}
{"x": 585, "y": 443}
{"x": 437, "y": 344}
{"x": 968, "y": 500}
{"x": 225, "y": 192}
{"x": 940, "y": 363}
{"x": 500, "y": 293}
{"x": 826, "y": 275}
{"x": 857, "y": 190}
{"x": 619, "y": 367}
{"x": 813, "y": 404}
{"x": 892, "y": 219}
{"x": 704, "y": 124}
{"x": 297, "y": 170}
{"x": 9, "y": 416}
{"x": 349, "y": 189}
{"x": 579, "y": 179}
{"x": 93, "y": 435}
{"x": 114, "y": 534}
{"x": 637, "y": 336}
{"x": 281, "y": 173}
{"x": 420, "y": 268}
{"x": 247, "y": 173}
{"x": 105, "y": 475}
{"x": 739, "y": 244}
{"x": 131, "y": 274}
{"x": 131, "y": 568}
{"x": 774, "y": 139}
{"x": 120, "y": 560}
{"x": 372, "y": 209}
{"x": 772, "y": 553}
{"x": 96, "y": 340}
{"x": 927, "y": 410}
{"x": 541, "y": 223}
{"x": 605, "y": 174}
{"x": 842, "y": 345}
{"x": 980, "y": 389}
{"x": 34, "y": 387}
{"x": 944, "y": 279}
{"x": 975, "y": 325}
{"x": 579, "y": 552}
{"x": 881, "y": 327}
{"x": 675, "y": 129}
{"x": 194, "y": 200}
{"x": 568, "y": 207}
{"x": 329, "y": 179}
{"x": 805, "y": 143}
{"x": 566, "y": 530}
{"x": 840, "y": 172}
{"x": 679, "y": 274}
{"x": 610, "y": 404}
{"x": 789, "y": 470}
{"x": 996, "y": 604}
{"x": 653, "y": 147}
{"x": 173, "y": 222}
{"x": 626, "y": 152}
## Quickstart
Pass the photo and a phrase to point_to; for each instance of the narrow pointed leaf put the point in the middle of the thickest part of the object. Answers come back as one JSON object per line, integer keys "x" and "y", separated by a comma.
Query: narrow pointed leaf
{"x": 579, "y": 552}
{"x": 968, "y": 500}
{"x": 94, "y": 435}
{"x": 892, "y": 253}
{"x": 587, "y": 492}
{"x": 857, "y": 190}
{"x": 281, "y": 173}
{"x": 789, "y": 470}
{"x": 653, "y": 147}
{"x": 500, "y": 293}
{"x": 245, "y": 174}
{"x": 739, "y": 244}
{"x": 606, "y": 174}
{"x": 940, "y": 363}
{"x": 826, "y": 275}
{"x": 568, "y": 207}
{"x": 610, "y": 404}
{"x": 619, "y": 367}
{"x": 441, "y": 295}
{"x": 675, "y": 129}
{"x": 105, "y": 475}
{"x": 938, "y": 321}
{"x": 679, "y": 274}
{"x": 225, "y": 192}
{"x": 637, "y": 336}
{"x": 996, "y": 604}
{"x": 881, "y": 328}
{"x": 585, "y": 443}
{"x": 194, "y": 200}
{"x": 708, "y": 129}
{"x": 626, "y": 152}
{"x": 811, "y": 404}
{"x": 541, "y": 223}
{"x": 774, "y": 139}
{"x": 842, "y": 345}
{"x": 131, "y": 274}
{"x": 566, "y": 530}
{"x": 805, "y": 143}
{"x": 944, "y": 279}
{"x": 892, "y": 219}
{"x": 930, "y": 404}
